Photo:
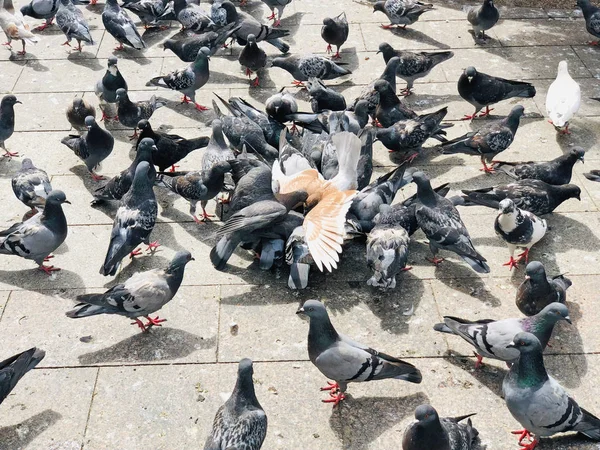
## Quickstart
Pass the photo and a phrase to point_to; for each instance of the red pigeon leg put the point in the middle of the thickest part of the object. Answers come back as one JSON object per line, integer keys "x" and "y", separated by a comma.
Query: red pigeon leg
{"x": 298, "y": 83}
{"x": 8, "y": 44}
{"x": 136, "y": 252}
{"x": 511, "y": 263}
{"x": 329, "y": 49}
{"x": 387, "y": 27}
{"x": 173, "y": 167}
{"x": 154, "y": 322}
{"x": 335, "y": 399}
{"x": 48, "y": 258}
{"x": 8, "y": 154}
{"x": 152, "y": 246}
{"x": 139, "y": 323}
{"x": 48, "y": 269}
{"x": 248, "y": 73}
{"x": 406, "y": 269}
{"x": 22, "y": 52}
{"x": 435, "y": 261}
{"x": 277, "y": 23}
{"x": 97, "y": 177}
{"x": 469, "y": 116}
{"x": 524, "y": 255}
{"x": 45, "y": 25}
{"x": 255, "y": 82}
{"x": 337, "y": 55}
{"x": 478, "y": 362}
{"x": 185, "y": 99}
{"x": 199, "y": 107}
{"x": 333, "y": 387}
{"x": 486, "y": 112}
{"x": 593, "y": 42}
{"x": 272, "y": 16}
{"x": 406, "y": 91}
{"x": 486, "y": 168}
{"x": 566, "y": 130}
{"x": 134, "y": 135}
{"x": 119, "y": 48}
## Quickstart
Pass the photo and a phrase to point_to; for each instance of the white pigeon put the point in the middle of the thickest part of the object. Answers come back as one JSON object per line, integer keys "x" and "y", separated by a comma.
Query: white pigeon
{"x": 563, "y": 99}
{"x": 14, "y": 27}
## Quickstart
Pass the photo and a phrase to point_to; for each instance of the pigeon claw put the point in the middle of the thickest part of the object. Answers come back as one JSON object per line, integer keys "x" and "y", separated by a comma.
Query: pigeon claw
{"x": 139, "y": 323}
{"x": 48, "y": 269}
{"x": 406, "y": 92}
{"x": 277, "y": 23}
{"x": 199, "y": 107}
{"x": 298, "y": 83}
{"x": 97, "y": 177}
{"x": 119, "y": 48}
{"x": 333, "y": 387}
{"x": 387, "y": 27}
{"x": 524, "y": 255}
{"x": 173, "y": 167}
{"x": 337, "y": 56}
{"x": 512, "y": 262}
{"x": 406, "y": 269}
{"x": 335, "y": 398}
{"x": 593, "y": 42}
{"x": 329, "y": 49}
{"x": 486, "y": 112}
{"x": 8, "y": 154}
{"x": 255, "y": 82}
{"x": 478, "y": 363}
{"x": 136, "y": 252}
{"x": 48, "y": 258}
{"x": 435, "y": 261}
{"x": 524, "y": 434}
{"x": 486, "y": 168}
{"x": 152, "y": 246}
{"x": 272, "y": 16}
{"x": 469, "y": 116}
{"x": 154, "y": 322}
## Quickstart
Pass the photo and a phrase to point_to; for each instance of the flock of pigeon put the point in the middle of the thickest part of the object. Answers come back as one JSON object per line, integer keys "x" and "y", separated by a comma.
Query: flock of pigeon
{"x": 299, "y": 197}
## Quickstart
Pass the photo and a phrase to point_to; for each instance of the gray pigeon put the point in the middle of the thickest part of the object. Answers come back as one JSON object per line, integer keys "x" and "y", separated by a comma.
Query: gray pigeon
{"x": 41, "y": 9}
{"x": 40, "y": 235}
{"x": 322, "y": 97}
{"x": 278, "y": 5}
{"x": 188, "y": 80}
{"x": 130, "y": 113}
{"x": 483, "y": 18}
{"x": 441, "y": 223}
{"x": 217, "y": 149}
{"x": 149, "y": 11}
{"x": 253, "y": 58}
{"x": 7, "y": 121}
{"x": 334, "y": 121}
{"x": 489, "y": 140}
{"x": 390, "y": 109}
{"x": 303, "y": 67}
{"x": 280, "y": 105}
{"x": 538, "y": 402}
{"x": 401, "y": 12}
{"x": 198, "y": 186}
{"x": 370, "y": 94}
{"x": 335, "y": 32}
{"x": 591, "y": 13}
{"x": 387, "y": 254}
{"x": 593, "y": 175}
{"x": 133, "y": 222}
{"x": 537, "y": 290}
{"x": 72, "y": 23}
{"x": 191, "y": 16}
{"x": 518, "y": 228}
{"x": 118, "y": 185}
{"x": 142, "y": 294}
{"x": 107, "y": 86}
{"x": 481, "y": 89}
{"x": 187, "y": 48}
{"x": 297, "y": 256}
{"x": 413, "y": 65}
{"x": 31, "y": 185}
{"x": 430, "y": 432}
{"x": 558, "y": 171}
{"x": 78, "y": 111}
{"x": 120, "y": 26}
{"x": 92, "y": 148}
{"x": 346, "y": 361}
{"x": 240, "y": 423}
{"x": 13, "y": 369}
{"x": 491, "y": 337}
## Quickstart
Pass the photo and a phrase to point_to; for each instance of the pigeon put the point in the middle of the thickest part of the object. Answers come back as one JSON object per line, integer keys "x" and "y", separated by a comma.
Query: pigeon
{"x": 591, "y": 13}
{"x": 370, "y": 94}
{"x": 322, "y": 97}
{"x": 409, "y": 135}
{"x": 31, "y": 185}
{"x": 107, "y": 86}
{"x": 134, "y": 220}
{"x": 518, "y": 228}
{"x": 78, "y": 111}
{"x": 92, "y": 148}
{"x": 270, "y": 126}
{"x": 413, "y": 65}
{"x": 390, "y": 109}
{"x": 253, "y": 58}
{"x": 142, "y": 294}
{"x": 40, "y": 235}
{"x": 41, "y": 9}
{"x": 240, "y": 423}
{"x": 387, "y": 254}
{"x": 345, "y": 361}
{"x": 198, "y": 186}
{"x": 563, "y": 99}
{"x": 14, "y": 26}
{"x": 70, "y": 20}
{"x": 192, "y": 17}
{"x": 170, "y": 148}
{"x": 217, "y": 149}
{"x": 188, "y": 80}
{"x": 537, "y": 291}
{"x": 401, "y": 12}
{"x": 280, "y": 105}
{"x": 149, "y": 11}
{"x": 335, "y": 32}
{"x": 534, "y": 196}
{"x": 118, "y": 186}
{"x": 249, "y": 25}
{"x": 430, "y": 432}
{"x": 7, "y": 121}
{"x": 558, "y": 171}
{"x": 187, "y": 48}
{"x": 441, "y": 223}
{"x": 303, "y": 67}
{"x": 489, "y": 140}
{"x": 480, "y": 90}
{"x": 278, "y": 5}
{"x": 15, "y": 367}
{"x": 593, "y": 175}
{"x": 538, "y": 402}
{"x": 332, "y": 121}
{"x": 130, "y": 113}
{"x": 491, "y": 337}
{"x": 483, "y": 18}
{"x": 120, "y": 26}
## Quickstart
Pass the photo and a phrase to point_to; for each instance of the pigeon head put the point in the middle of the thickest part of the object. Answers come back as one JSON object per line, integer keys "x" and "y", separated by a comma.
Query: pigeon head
{"x": 382, "y": 86}
{"x": 361, "y": 110}
{"x": 313, "y": 309}
{"x": 571, "y": 191}
{"x": 327, "y": 21}
{"x": 169, "y": 44}
{"x": 507, "y": 206}
{"x": 231, "y": 12}
{"x": 535, "y": 271}
{"x": 140, "y": 179}
{"x": 147, "y": 145}
{"x": 470, "y": 72}
{"x": 9, "y": 100}
{"x": 563, "y": 68}
{"x": 78, "y": 103}
{"x": 526, "y": 343}
{"x": 426, "y": 413}
{"x": 90, "y": 122}
{"x": 517, "y": 111}
{"x": 57, "y": 198}
{"x": 556, "y": 311}
{"x": 387, "y": 50}
{"x": 143, "y": 125}
{"x": 217, "y": 125}
{"x": 205, "y": 51}
{"x": 27, "y": 163}
{"x": 180, "y": 260}
{"x": 420, "y": 179}
{"x": 578, "y": 152}
{"x": 379, "y": 6}
{"x": 121, "y": 94}
{"x": 245, "y": 368}
{"x": 251, "y": 39}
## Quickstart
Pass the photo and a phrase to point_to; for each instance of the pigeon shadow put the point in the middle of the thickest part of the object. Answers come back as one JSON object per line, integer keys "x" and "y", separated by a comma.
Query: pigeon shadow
{"x": 33, "y": 279}
{"x": 350, "y": 420}
{"x": 292, "y": 24}
{"x": 154, "y": 36}
{"x": 416, "y": 35}
{"x": 159, "y": 344}
{"x": 176, "y": 106}
{"x": 85, "y": 59}
{"x": 22, "y": 434}
{"x": 489, "y": 375}
{"x": 488, "y": 41}
{"x": 567, "y": 339}
{"x": 132, "y": 54}
{"x": 274, "y": 294}
{"x": 32, "y": 61}
{"x": 582, "y": 135}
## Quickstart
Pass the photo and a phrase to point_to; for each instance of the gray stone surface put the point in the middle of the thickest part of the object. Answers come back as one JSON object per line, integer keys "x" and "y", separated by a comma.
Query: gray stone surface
{"x": 104, "y": 385}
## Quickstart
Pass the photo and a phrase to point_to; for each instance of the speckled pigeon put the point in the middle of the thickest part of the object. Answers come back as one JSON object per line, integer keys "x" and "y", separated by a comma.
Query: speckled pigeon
{"x": 401, "y": 12}
{"x": 303, "y": 67}
{"x": 346, "y": 361}
{"x": 591, "y": 13}
{"x": 192, "y": 17}
{"x": 370, "y": 94}
{"x": 72, "y": 23}
{"x": 13, "y": 369}
{"x": 537, "y": 290}
{"x": 187, "y": 48}
{"x": 120, "y": 26}
{"x": 31, "y": 185}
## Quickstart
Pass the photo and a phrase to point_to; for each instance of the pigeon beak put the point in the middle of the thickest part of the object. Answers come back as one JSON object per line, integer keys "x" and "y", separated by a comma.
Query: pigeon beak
{"x": 300, "y": 311}
{"x": 155, "y": 148}
{"x": 17, "y": 101}
{"x": 378, "y": 52}
{"x": 511, "y": 345}
{"x": 67, "y": 201}
{"x": 582, "y": 160}
{"x": 192, "y": 258}
{"x": 568, "y": 319}
{"x": 527, "y": 277}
